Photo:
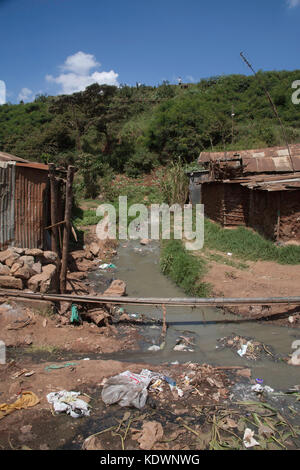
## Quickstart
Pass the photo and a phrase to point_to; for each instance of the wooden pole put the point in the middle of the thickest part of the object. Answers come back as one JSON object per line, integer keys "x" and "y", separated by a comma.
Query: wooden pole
{"x": 53, "y": 202}
{"x": 67, "y": 230}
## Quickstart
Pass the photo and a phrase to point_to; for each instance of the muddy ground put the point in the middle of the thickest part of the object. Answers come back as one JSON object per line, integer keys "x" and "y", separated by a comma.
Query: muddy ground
{"x": 213, "y": 412}
{"x": 256, "y": 279}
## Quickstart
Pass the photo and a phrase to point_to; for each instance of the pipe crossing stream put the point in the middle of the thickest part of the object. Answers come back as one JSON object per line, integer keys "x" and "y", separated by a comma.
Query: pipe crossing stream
{"x": 138, "y": 266}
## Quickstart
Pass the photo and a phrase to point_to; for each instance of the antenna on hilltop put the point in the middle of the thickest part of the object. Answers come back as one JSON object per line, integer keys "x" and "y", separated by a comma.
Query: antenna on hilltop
{"x": 272, "y": 105}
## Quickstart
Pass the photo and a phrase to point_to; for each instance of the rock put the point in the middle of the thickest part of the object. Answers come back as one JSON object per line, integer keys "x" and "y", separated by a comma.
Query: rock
{"x": 4, "y": 255}
{"x": 15, "y": 249}
{"x": 12, "y": 259}
{"x": 116, "y": 289}
{"x": 15, "y": 267}
{"x": 144, "y": 241}
{"x": 77, "y": 275}
{"x": 26, "y": 259}
{"x": 24, "y": 272}
{"x": 84, "y": 265}
{"x": 33, "y": 252}
{"x": 244, "y": 373}
{"x": 44, "y": 282}
{"x": 49, "y": 257}
{"x": 64, "y": 307}
{"x": 97, "y": 316}
{"x": 80, "y": 255}
{"x": 94, "y": 248}
{"x": 11, "y": 282}
{"x": 4, "y": 270}
{"x": 37, "y": 267}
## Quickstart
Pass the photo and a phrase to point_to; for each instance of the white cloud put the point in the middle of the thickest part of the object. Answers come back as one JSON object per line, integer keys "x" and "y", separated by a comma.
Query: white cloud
{"x": 2, "y": 92}
{"x": 79, "y": 75}
{"x": 25, "y": 94}
{"x": 293, "y": 3}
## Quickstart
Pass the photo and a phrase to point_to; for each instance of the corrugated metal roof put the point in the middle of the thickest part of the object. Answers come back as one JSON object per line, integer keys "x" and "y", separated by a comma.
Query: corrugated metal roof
{"x": 272, "y": 160}
{"x": 7, "y": 157}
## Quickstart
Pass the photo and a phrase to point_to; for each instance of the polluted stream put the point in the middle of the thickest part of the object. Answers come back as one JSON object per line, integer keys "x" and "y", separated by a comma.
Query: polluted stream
{"x": 138, "y": 266}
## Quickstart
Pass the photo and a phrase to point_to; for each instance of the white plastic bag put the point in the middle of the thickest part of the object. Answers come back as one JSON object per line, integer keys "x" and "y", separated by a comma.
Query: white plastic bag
{"x": 128, "y": 389}
{"x": 68, "y": 402}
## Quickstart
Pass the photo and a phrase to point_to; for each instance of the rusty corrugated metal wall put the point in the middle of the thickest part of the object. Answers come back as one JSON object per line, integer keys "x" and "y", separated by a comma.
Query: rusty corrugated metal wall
{"x": 7, "y": 205}
{"x": 31, "y": 208}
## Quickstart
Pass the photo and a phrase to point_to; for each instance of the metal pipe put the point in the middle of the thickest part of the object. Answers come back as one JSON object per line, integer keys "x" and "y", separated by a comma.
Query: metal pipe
{"x": 191, "y": 302}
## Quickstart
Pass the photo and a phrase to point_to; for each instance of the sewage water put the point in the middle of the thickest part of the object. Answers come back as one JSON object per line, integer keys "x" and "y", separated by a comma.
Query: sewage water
{"x": 139, "y": 267}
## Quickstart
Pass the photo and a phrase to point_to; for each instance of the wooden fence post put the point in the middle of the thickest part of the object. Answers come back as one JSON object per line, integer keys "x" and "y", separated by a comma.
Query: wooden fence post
{"x": 67, "y": 230}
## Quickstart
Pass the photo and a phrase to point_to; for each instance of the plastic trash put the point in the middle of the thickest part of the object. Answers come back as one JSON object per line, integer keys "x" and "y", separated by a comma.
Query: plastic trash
{"x": 169, "y": 381}
{"x": 128, "y": 389}
{"x": 2, "y": 352}
{"x": 262, "y": 388}
{"x": 68, "y": 402}
{"x": 241, "y": 352}
{"x": 74, "y": 314}
{"x": 154, "y": 348}
{"x": 248, "y": 438}
{"x": 107, "y": 266}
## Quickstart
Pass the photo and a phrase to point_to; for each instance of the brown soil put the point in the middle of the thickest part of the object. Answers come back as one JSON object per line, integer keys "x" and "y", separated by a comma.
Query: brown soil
{"x": 260, "y": 279}
{"x": 34, "y": 427}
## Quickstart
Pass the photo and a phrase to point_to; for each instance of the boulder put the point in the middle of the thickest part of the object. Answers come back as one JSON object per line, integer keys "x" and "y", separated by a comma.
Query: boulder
{"x": 25, "y": 272}
{"x": 144, "y": 241}
{"x": 11, "y": 282}
{"x": 80, "y": 255}
{"x": 4, "y": 270}
{"x": 37, "y": 267}
{"x": 76, "y": 276}
{"x": 84, "y": 265}
{"x": 12, "y": 259}
{"x": 94, "y": 248}
{"x": 15, "y": 267}
{"x": 49, "y": 257}
{"x": 26, "y": 259}
{"x": 15, "y": 249}
{"x": 116, "y": 289}
{"x": 45, "y": 281}
{"x": 33, "y": 252}
{"x": 4, "y": 255}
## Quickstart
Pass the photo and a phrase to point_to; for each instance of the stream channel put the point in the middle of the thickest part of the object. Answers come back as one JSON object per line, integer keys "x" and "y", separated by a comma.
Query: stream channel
{"x": 138, "y": 266}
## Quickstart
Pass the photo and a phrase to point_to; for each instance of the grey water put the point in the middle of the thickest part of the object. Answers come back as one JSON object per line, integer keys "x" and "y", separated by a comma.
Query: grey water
{"x": 139, "y": 267}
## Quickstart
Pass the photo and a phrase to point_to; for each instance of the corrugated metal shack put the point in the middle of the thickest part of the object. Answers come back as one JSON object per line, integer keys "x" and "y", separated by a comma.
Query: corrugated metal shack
{"x": 256, "y": 188}
{"x": 24, "y": 203}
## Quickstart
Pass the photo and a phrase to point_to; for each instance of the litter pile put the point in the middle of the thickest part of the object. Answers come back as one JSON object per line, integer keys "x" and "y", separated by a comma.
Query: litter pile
{"x": 203, "y": 382}
{"x": 246, "y": 347}
{"x": 184, "y": 343}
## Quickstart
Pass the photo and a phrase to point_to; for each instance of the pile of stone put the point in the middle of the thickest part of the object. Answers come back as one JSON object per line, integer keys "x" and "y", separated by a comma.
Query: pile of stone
{"x": 34, "y": 269}
{"x": 38, "y": 270}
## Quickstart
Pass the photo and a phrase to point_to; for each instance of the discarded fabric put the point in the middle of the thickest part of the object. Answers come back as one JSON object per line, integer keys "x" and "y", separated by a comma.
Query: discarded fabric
{"x": 128, "y": 389}
{"x": 68, "y": 402}
{"x": 154, "y": 348}
{"x": 26, "y": 400}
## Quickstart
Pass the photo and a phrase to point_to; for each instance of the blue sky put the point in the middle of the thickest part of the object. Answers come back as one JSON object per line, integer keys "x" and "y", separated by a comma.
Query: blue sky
{"x": 55, "y": 46}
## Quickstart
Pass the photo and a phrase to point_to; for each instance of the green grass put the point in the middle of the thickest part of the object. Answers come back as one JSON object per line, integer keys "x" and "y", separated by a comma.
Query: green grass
{"x": 184, "y": 269}
{"x": 248, "y": 245}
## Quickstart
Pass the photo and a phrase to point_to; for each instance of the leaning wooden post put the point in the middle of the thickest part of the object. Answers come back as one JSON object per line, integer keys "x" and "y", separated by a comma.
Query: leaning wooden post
{"x": 67, "y": 230}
